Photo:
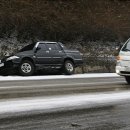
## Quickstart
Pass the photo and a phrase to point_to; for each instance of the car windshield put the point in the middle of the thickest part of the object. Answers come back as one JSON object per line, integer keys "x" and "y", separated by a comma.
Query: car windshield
{"x": 126, "y": 46}
{"x": 64, "y": 47}
{"x": 27, "y": 48}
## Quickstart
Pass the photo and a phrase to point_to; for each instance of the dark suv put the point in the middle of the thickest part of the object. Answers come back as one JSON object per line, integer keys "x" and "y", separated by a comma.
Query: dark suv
{"x": 43, "y": 55}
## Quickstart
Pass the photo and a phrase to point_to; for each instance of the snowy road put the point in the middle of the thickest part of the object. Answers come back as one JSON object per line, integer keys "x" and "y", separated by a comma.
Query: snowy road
{"x": 46, "y": 87}
{"x": 16, "y": 87}
{"x": 30, "y": 103}
{"x": 59, "y": 103}
{"x": 115, "y": 117}
{"x": 76, "y": 76}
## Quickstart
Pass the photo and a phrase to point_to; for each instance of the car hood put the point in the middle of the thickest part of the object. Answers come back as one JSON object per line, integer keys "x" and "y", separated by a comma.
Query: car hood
{"x": 24, "y": 53}
{"x": 19, "y": 54}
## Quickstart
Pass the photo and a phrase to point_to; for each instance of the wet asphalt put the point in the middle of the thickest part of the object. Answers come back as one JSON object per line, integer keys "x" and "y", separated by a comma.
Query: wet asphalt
{"x": 115, "y": 117}
{"x": 51, "y": 87}
{"x": 110, "y": 117}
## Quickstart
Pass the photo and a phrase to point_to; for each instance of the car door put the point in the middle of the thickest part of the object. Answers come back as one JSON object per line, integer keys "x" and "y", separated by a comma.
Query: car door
{"x": 56, "y": 53}
{"x": 42, "y": 54}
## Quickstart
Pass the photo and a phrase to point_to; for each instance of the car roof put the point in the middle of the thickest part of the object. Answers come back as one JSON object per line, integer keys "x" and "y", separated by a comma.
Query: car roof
{"x": 45, "y": 42}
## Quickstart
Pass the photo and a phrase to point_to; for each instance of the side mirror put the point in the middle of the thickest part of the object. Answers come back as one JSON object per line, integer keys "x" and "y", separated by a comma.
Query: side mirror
{"x": 37, "y": 49}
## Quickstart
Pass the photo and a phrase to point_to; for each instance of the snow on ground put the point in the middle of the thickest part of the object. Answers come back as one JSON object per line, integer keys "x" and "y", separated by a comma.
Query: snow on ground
{"x": 67, "y": 102}
{"x": 92, "y": 75}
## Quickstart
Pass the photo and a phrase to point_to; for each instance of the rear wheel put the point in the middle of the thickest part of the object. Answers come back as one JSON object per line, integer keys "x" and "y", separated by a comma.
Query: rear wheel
{"x": 69, "y": 67}
{"x": 26, "y": 68}
{"x": 127, "y": 79}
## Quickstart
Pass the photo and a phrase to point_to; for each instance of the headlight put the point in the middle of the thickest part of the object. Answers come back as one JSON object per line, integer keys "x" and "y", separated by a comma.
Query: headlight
{"x": 118, "y": 58}
{"x": 12, "y": 57}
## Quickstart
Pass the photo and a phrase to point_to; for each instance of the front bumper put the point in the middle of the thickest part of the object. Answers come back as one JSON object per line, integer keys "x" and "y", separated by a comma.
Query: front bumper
{"x": 123, "y": 70}
{"x": 8, "y": 67}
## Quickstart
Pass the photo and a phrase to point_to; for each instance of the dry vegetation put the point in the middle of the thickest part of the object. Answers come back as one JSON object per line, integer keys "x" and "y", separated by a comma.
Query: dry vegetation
{"x": 66, "y": 20}
{"x": 78, "y": 22}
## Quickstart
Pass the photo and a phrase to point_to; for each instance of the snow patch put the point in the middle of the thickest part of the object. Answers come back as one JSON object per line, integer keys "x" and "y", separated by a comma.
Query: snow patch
{"x": 54, "y": 103}
{"x": 94, "y": 75}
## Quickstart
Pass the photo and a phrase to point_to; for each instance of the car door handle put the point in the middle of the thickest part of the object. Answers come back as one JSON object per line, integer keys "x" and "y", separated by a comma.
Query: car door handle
{"x": 47, "y": 51}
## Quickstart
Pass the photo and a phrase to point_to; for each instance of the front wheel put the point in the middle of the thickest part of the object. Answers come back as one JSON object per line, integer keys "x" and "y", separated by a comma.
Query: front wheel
{"x": 69, "y": 67}
{"x": 127, "y": 79}
{"x": 26, "y": 68}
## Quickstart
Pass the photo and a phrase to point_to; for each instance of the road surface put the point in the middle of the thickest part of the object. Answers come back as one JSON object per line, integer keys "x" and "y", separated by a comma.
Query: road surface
{"x": 49, "y": 87}
{"x": 66, "y": 104}
{"x": 115, "y": 117}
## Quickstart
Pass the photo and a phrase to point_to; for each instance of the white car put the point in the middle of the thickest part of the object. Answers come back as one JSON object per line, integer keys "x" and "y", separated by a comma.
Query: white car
{"x": 123, "y": 61}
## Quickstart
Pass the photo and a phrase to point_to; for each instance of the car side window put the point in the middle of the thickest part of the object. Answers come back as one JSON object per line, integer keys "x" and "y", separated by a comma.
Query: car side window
{"x": 42, "y": 46}
{"x": 53, "y": 46}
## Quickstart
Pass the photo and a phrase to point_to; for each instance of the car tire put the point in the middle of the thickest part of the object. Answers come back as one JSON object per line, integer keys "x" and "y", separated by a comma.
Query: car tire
{"x": 26, "y": 68}
{"x": 127, "y": 79}
{"x": 69, "y": 67}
